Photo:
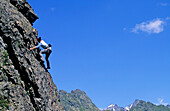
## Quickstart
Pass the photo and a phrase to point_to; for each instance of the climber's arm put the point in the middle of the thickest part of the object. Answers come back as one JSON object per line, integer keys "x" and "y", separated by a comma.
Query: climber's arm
{"x": 36, "y": 46}
{"x": 33, "y": 48}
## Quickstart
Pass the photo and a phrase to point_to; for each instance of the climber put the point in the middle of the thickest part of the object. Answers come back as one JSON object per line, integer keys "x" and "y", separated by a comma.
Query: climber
{"x": 46, "y": 50}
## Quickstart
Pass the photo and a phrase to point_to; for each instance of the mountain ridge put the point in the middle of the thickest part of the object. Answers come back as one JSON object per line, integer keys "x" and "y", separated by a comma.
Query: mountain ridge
{"x": 138, "y": 105}
{"x": 76, "y": 100}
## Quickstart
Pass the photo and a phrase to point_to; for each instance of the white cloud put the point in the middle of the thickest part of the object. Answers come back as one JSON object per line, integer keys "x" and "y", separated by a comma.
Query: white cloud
{"x": 154, "y": 26}
{"x": 160, "y": 102}
{"x": 167, "y": 18}
{"x": 163, "y": 4}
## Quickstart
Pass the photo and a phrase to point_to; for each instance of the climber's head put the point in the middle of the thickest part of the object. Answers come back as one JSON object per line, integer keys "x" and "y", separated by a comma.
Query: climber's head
{"x": 49, "y": 45}
{"x": 39, "y": 39}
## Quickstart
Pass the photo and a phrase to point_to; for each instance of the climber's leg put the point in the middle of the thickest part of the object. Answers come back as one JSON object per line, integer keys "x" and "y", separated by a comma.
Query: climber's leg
{"x": 47, "y": 56}
{"x": 43, "y": 52}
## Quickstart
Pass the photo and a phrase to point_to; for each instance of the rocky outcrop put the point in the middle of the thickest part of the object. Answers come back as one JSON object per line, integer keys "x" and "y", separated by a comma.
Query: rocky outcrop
{"x": 24, "y": 83}
{"x": 23, "y": 7}
{"x": 76, "y": 101}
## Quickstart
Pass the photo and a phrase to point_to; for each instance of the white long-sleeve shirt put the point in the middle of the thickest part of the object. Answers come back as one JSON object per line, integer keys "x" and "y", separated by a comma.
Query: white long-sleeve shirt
{"x": 43, "y": 45}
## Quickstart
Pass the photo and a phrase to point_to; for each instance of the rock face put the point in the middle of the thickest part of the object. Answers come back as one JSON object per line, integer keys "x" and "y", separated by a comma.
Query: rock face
{"x": 24, "y": 83}
{"x": 76, "y": 101}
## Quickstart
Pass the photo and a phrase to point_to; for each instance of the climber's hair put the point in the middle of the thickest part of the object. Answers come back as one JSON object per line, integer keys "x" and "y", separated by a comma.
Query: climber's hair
{"x": 49, "y": 45}
{"x": 39, "y": 39}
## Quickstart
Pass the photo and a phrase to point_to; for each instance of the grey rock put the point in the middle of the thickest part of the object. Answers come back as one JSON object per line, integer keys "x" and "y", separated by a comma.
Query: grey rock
{"x": 24, "y": 83}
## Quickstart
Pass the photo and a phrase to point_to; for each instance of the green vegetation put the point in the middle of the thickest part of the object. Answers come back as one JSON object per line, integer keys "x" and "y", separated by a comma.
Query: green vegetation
{"x": 18, "y": 44}
{"x": 5, "y": 55}
{"x": 2, "y": 70}
{"x": 28, "y": 91}
{"x": 4, "y": 104}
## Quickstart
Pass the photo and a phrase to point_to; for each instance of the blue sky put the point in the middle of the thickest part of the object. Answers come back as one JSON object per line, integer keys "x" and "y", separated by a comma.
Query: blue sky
{"x": 114, "y": 50}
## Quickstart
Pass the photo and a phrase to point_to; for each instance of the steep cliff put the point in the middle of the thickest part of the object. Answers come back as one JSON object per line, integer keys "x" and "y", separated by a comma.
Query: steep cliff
{"x": 76, "y": 101}
{"x": 24, "y": 83}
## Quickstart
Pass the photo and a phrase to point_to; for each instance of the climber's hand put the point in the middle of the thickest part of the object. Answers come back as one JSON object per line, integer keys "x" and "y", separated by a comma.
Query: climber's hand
{"x": 32, "y": 48}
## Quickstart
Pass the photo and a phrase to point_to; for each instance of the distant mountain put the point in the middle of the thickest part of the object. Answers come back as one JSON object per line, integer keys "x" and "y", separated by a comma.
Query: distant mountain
{"x": 138, "y": 105}
{"x": 147, "y": 106}
{"x": 132, "y": 105}
{"x": 76, "y": 101}
{"x": 113, "y": 107}
{"x": 168, "y": 106}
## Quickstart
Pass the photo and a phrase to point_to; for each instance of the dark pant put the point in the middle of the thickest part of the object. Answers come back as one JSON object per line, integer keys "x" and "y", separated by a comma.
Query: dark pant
{"x": 47, "y": 52}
